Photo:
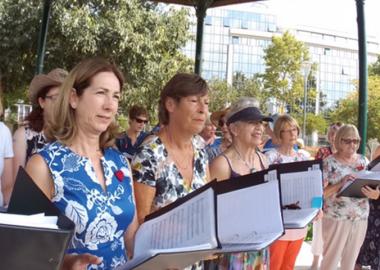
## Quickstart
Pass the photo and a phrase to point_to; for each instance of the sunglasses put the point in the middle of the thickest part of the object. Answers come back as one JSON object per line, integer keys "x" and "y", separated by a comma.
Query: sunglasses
{"x": 139, "y": 120}
{"x": 221, "y": 123}
{"x": 349, "y": 141}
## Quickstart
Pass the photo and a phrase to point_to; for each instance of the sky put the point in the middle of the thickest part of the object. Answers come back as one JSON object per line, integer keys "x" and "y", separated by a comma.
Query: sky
{"x": 329, "y": 14}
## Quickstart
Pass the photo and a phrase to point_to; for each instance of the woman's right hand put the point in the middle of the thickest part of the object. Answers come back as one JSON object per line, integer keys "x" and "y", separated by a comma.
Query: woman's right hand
{"x": 79, "y": 262}
{"x": 347, "y": 178}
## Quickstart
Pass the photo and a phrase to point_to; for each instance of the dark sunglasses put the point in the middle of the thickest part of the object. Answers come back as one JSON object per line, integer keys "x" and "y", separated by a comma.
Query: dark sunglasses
{"x": 349, "y": 141}
{"x": 292, "y": 206}
{"x": 221, "y": 123}
{"x": 139, "y": 120}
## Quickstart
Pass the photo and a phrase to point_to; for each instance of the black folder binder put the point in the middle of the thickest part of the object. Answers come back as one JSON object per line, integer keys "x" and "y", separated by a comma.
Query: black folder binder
{"x": 364, "y": 178}
{"x": 187, "y": 240}
{"x": 33, "y": 248}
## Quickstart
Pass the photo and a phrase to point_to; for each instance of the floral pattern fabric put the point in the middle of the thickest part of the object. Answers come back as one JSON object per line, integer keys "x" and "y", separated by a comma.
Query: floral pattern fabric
{"x": 370, "y": 251}
{"x": 344, "y": 208}
{"x": 152, "y": 166}
{"x": 323, "y": 152}
{"x": 35, "y": 141}
{"x": 100, "y": 216}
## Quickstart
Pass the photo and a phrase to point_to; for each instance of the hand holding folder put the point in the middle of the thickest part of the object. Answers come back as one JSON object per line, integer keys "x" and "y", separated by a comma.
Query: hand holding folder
{"x": 29, "y": 247}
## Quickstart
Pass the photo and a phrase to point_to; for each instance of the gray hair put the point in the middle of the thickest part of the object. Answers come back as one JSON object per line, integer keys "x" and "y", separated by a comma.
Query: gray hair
{"x": 241, "y": 104}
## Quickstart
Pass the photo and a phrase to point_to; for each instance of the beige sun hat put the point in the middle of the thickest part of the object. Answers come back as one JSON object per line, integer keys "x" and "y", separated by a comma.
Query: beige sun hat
{"x": 41, "y": 81}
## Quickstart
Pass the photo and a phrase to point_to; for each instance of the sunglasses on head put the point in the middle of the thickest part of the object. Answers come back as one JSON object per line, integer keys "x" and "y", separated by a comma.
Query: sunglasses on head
{"x": 349, "y": 141}
{"x": 139, "y": 120}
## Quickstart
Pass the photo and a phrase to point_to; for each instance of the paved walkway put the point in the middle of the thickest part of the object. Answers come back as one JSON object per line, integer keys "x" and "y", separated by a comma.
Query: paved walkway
{"x": 305, "y": 257}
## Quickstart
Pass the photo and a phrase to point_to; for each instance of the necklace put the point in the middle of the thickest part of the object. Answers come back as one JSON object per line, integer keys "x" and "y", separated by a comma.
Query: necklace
{"x": 251, "y": 169}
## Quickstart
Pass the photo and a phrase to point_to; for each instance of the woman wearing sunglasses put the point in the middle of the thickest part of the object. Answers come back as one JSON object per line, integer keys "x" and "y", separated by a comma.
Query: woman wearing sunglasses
{"x": 344, "y": 223}
{"x": 128, "y": 142}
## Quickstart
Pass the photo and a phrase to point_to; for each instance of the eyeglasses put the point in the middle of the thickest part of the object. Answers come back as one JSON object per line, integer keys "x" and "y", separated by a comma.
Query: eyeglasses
{"x": 292, "y": 130}
{"x": 52, "y": 97}
{"x": 139, "y": 120}
{"x": 349, "y": 141}
{"x": 221, "y": 123}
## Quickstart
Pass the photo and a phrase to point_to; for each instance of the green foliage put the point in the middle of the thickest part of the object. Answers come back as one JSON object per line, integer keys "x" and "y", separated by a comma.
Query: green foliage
{"x": 347, "y": 109}
{"x": 313, "y": 122}
{"x": 221, "y": 95}
{"x": 283, "y": 78}
{"x": 374, "y": 69}
{"x": 141, "y": 38}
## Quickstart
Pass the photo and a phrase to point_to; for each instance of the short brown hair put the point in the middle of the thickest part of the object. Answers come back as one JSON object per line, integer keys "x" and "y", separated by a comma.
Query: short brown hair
{"x": 283, "y": 120}
{"x": 179, "y": 86}
{"x": 62, "y": 126}
{"x": 136, "y": 111}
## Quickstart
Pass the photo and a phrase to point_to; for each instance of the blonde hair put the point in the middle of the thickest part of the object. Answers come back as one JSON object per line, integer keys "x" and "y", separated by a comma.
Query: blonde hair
{"x": 63, "y": 126}
{"x": 281, "y": 122}
{"x": 344, "y": 132}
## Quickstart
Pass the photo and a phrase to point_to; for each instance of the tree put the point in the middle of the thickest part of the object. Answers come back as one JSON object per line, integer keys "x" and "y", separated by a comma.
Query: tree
{"x": 347, "y": 109}
{"x": 221, "y": 95}
{"x": 142, "y": 38}
{"x": 283, "y": 79}
{"x": 374, "y": 69}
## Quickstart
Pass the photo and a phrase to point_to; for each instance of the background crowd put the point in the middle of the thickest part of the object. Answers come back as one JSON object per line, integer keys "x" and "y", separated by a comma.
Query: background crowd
{"x": 108, "y": 181}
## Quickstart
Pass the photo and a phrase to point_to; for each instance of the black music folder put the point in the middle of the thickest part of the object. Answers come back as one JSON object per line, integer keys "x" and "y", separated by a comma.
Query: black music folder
{"x": 301, "y": 189}
{"x": 235, "y": 215}
{"x": 29, "y": 247}
{"x": 363, "y": 178}
{"x": 374, "y": 165}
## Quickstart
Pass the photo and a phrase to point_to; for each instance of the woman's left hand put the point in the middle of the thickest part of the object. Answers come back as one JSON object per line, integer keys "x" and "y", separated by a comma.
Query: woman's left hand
{"x": 371, "y": 193}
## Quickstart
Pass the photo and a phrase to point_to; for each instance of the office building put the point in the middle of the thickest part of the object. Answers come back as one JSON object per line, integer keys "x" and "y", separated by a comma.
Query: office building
{"x": 234, "y": 42}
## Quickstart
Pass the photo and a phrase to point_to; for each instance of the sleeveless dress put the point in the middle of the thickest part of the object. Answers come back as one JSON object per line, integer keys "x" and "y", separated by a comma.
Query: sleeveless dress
{"x": 100, "y": 216}
{"x": 244, "y": 260}
{"x": 35, "y": 141}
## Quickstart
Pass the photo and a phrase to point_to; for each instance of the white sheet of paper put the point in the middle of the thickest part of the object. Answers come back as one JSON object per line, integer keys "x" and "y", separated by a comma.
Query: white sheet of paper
{"x": 250, "y": 215}
{"x": 190, "y": 226}
{"x": 299, "y": 218}
{"x": 301, "y": 187}
{"x": 35, "y": 221}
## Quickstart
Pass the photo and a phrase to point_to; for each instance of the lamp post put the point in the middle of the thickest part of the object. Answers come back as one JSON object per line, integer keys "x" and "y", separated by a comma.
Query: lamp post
{"x": 306, "y": 66}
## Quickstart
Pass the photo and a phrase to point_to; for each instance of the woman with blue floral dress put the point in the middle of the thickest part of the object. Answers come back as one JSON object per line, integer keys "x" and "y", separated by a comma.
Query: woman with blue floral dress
{"x": 171, "y": 164}
{"x": 87, "y": 179}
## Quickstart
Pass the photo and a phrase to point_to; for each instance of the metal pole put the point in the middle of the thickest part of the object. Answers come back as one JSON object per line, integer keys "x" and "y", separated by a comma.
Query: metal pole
{"x": 363, "y": 76}
{"x": 304, "y": 106}
{"x": 201, "y": 10}
{"x": 42, "y": 36}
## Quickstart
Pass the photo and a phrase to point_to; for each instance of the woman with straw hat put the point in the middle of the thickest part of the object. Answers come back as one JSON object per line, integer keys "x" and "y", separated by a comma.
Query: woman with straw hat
{"x": 29, "y": 138}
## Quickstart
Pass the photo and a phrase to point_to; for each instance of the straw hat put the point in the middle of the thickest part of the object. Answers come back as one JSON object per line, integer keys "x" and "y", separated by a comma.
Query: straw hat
{"x": 216, "y": 116}
{"x": 41, "y": 81}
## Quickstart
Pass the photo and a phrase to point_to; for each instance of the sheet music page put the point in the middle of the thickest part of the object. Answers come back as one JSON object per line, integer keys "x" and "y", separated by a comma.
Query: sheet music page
{"x": 299, "y": 218}
{"x": 301, "y": 187}
{"x": 190, "y": 226}
{"x": 250, "y": 215}
{"x": 35, "y": 221}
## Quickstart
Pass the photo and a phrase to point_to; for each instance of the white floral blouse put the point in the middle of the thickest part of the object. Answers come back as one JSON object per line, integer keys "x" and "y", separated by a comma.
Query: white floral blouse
{"x": 344, "y": 208}
{"x": 152, "y": 166}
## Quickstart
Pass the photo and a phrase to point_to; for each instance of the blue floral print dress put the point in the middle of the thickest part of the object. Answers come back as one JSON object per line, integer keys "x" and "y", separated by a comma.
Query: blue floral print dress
{"x": 100, "y": 216}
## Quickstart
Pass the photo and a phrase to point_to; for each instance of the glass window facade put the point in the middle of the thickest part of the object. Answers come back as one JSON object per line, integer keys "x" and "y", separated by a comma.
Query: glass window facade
{"x": 236, "y": 40}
